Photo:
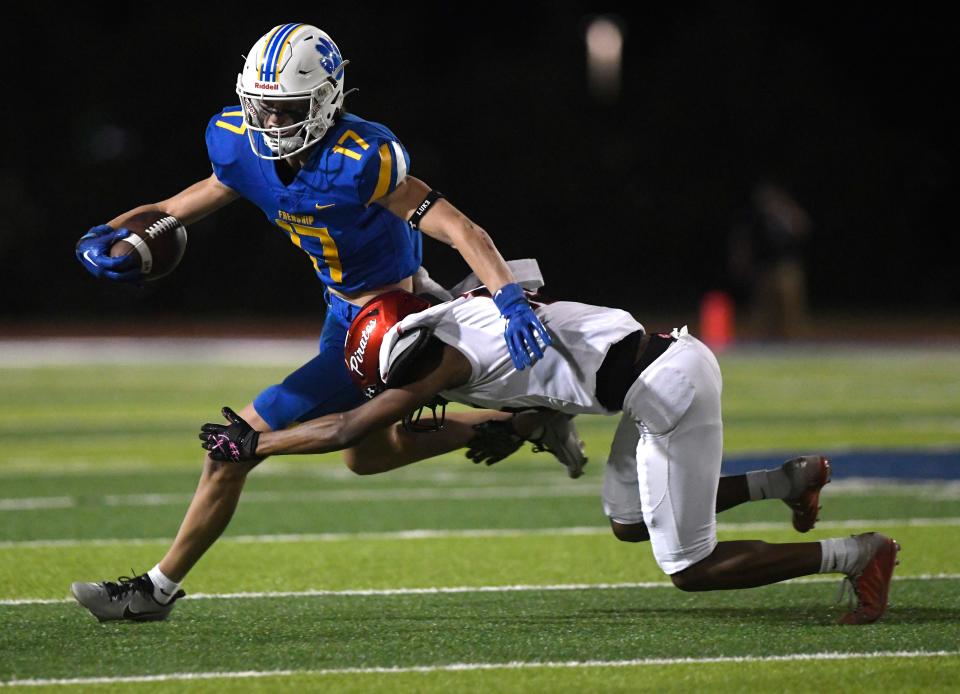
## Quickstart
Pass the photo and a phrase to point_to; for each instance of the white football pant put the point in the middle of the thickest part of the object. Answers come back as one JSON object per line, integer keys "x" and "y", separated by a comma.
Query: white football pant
{"x": 665, "y": 458}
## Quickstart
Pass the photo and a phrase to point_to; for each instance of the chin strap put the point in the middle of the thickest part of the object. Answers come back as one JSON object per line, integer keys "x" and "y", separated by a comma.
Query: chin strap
{"x": 414, "y": 423}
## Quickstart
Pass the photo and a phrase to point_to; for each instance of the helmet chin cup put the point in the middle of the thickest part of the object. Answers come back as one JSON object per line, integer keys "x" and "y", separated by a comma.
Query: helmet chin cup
{"x": 283, "y": 146}
{"x": 291, "y": 62}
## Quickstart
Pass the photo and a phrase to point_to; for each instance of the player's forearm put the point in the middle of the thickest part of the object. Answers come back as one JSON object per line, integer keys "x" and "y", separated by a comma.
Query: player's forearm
{"x": 120, "y": 220}
{"x": 321, "y": 435}
{"x": 189, "y": 205}
{"x": 480, "y": 253}
{"x": 446, "y": 223}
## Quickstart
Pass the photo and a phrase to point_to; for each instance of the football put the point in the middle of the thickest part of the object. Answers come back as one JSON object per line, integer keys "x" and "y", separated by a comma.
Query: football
{"x": 157, "y": 239}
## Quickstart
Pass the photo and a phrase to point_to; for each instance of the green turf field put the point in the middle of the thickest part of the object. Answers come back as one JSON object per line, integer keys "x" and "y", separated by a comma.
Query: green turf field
{"x": 445, "y": 576}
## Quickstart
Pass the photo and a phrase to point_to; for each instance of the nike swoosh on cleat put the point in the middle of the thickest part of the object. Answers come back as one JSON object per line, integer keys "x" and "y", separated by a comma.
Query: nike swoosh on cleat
{"x": 86, "y": 255}
{"x": 323, "y": 207}
{"x": 130, "y": 614}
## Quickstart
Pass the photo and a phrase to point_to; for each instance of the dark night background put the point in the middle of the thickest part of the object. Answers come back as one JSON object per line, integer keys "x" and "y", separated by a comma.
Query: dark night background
{"x": 850, "y": 108}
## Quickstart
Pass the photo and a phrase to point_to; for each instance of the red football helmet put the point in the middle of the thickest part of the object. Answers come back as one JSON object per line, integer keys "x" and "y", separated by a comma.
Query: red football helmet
{"x": 361, "y": 350}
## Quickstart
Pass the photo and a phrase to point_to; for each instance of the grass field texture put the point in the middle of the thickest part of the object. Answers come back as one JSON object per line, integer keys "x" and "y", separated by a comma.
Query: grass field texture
{"x": 445, "y": 576}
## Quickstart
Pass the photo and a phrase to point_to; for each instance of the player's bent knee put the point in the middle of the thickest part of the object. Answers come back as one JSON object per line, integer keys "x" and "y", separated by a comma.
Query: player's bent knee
{"x": 691, "y": 580}
{"x": 382, "y": 451}
{"x": 682, "y": 581}
{"x": 361, "y": 461}
{"x": 219, "y": 472}
{"x": 633, "y": 532}
{"x": 360, "y": 465}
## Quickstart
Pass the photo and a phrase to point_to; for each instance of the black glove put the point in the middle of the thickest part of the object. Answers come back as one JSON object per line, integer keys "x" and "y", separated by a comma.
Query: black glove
{"x": 493, "y": 441}
{"x": 233, "y": 443}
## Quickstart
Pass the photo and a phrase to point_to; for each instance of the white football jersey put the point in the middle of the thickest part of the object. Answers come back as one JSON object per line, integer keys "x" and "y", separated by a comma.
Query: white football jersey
{"x": 565, "y": 379}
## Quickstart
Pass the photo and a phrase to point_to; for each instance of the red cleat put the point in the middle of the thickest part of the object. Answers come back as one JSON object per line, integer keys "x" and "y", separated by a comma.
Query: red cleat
{"x": 807, "y": 474}
{"x": 872, "y": 584}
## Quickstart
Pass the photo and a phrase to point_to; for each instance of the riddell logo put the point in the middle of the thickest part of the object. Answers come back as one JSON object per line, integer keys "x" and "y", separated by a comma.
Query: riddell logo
{"x": 356, "y": 359}
{"x": 272, "y": 86}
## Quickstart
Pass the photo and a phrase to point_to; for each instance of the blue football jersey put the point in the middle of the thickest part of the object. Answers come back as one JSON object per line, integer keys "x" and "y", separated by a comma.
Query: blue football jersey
{"x": 327, "y": 210}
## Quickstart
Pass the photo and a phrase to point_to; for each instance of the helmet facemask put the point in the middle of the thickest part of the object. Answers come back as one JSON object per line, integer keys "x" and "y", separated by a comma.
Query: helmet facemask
{"x": 294, "y": 64}
{"x": 320, "y": 108}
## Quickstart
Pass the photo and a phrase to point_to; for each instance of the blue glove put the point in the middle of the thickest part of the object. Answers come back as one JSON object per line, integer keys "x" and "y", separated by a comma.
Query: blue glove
{"x": 93, "y": 252}
{"x": 524, "y": 333}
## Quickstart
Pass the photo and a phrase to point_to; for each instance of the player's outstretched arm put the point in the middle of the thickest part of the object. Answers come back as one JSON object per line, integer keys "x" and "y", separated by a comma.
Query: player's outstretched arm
{"x": 189, "y": 205}
{"x": 448, "y": 224}
{"x": 525, "y": 335}
{"x": 237, "y": 442}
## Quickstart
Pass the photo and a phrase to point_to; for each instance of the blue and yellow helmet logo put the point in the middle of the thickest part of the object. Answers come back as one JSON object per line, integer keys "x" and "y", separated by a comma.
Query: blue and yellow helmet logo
{"x": 330, "y": 57}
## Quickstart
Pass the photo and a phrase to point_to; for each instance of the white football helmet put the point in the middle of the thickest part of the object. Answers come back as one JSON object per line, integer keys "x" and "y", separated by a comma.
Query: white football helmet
{"x": 294, "y": 70}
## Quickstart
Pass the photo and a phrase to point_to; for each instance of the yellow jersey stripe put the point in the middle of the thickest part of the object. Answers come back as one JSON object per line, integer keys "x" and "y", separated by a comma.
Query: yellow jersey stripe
{"x": 320, "y": 233}
{"x": 386, "y": 169}
{"x": 238, "y": 129}
{"x": 349, "y": 134}
{"x": 331, "y": 256}
{"x": 347, "y": 152}
{"x": 294, "y": 236}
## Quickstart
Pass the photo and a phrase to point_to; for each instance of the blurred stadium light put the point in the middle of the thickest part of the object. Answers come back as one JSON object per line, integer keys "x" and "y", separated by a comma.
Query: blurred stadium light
{"x": 604, "y": 39}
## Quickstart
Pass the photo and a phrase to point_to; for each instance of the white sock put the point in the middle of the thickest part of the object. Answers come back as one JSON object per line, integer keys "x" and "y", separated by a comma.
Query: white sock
{"x": 163, "y": 588}
{"x": 768, "y": 484}
{"x": 840, "y": 555}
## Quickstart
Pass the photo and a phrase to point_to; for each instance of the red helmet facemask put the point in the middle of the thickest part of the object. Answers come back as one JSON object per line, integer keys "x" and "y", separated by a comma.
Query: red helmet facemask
{"x": 361, "y": 350}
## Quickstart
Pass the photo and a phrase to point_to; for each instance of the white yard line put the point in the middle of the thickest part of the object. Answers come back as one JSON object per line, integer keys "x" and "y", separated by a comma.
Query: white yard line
{"x": 420, "y": 534}
{"x": 37, "y": 502}
{"x": 74, "y": 351}
{"x": 946, "y": 491}
{"x": 456, "y": 590}
{"x": 349, "y": 495}
{"x": 432, "y": 534}
{"x": 325, "y": 496}
{"x": 845, "y": 524}
{"x": 468, "y": 667}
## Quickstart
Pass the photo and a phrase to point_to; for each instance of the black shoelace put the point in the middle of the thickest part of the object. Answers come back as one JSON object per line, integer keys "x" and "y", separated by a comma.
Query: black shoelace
{"x": 126, "y": 584}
